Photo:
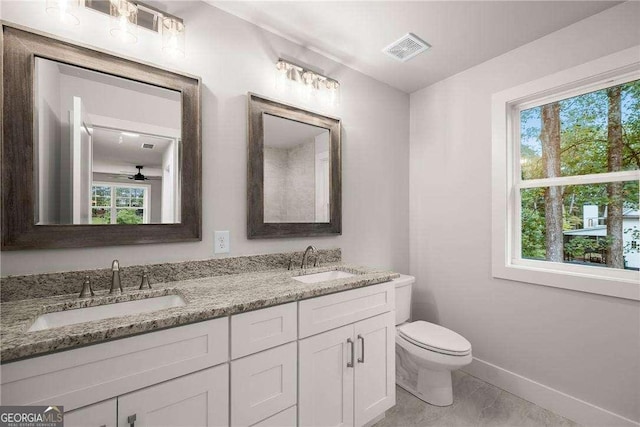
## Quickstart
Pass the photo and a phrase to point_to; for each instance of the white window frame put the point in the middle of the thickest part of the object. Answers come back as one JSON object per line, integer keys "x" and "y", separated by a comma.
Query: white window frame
{"x": 114, "y": 210}
{"x": 506, "y": 259}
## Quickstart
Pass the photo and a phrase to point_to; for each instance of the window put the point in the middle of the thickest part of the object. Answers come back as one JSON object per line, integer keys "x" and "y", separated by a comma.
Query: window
{"x": 119, "y": 204}
{"x": 566, "y": 179}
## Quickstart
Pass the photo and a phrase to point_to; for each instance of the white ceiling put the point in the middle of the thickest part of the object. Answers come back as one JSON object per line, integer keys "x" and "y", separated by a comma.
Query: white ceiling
{"x": 284, "y": 133}
{"x": 462, "y": 33}
{"x": 114, "y": 155}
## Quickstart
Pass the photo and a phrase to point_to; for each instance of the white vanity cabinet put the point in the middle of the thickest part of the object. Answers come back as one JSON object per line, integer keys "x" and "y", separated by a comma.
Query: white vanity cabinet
{"x": 178, "y": 374}
{"x": 347, "y": 375}
{"x": 323, "y": 361}
{"x": 341, "y": 371}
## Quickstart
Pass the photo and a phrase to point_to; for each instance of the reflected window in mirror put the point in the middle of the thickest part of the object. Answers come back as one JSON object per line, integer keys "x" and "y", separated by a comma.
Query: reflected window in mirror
{"x": 296, "y": 171}
{"x": 120, "y": 204}
{"x": 107, "y": 149}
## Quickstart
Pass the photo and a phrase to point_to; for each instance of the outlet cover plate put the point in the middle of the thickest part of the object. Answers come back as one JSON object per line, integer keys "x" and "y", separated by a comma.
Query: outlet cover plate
{"x": 221, "y": 242}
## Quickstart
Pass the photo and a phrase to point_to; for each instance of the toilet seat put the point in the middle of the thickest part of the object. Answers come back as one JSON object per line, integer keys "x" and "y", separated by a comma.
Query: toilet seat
{"x": 435, "y": 338}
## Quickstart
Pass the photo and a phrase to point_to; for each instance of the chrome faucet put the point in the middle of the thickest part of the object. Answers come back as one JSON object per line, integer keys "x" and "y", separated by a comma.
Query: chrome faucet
{"x": 116, "y": 285}
{"x": 144, "y": 284}
{"x": 312, "y": 249}
{"x": 86, "y": 288}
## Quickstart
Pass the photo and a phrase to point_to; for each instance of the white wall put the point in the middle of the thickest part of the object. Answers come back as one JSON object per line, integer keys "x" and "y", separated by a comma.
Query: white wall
{"x": 48, "y": 136}
{"x": 233, "y": 57}
{"x": 584, "y": 345}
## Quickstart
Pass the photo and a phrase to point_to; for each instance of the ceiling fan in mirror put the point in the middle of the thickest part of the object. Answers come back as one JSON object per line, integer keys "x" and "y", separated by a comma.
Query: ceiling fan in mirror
{"x": 139, "y": 176}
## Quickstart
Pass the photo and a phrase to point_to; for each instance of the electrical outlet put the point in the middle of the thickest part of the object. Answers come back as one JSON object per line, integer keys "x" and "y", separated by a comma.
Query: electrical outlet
{"x": 221, "y": 242}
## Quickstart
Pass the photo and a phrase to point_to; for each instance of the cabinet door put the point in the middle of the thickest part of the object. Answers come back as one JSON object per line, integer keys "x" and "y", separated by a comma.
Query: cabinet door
{"x": 98, "y": 415}
{"x": 325, "y": 381}
{"x": 194, "y": 400}
{"x": 375, "y": 388}
{"x": 262, "y": 329}
{"x": 263, "y": 384}
{"x": 286, "y": 418}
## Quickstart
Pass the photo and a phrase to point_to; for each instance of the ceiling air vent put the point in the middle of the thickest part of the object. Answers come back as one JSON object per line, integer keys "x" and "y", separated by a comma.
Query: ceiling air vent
{"x": 406, "y": 47}
{"x": 148, "y": 146}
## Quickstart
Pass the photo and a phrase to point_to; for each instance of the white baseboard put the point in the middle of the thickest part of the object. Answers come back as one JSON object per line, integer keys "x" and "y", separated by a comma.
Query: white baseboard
{"x": 546, "y": 397}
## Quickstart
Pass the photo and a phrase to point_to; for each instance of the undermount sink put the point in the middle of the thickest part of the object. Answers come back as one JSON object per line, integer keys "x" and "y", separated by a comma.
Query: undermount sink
{"x": 105, "y": 311}
{"x": 323, "y": 277}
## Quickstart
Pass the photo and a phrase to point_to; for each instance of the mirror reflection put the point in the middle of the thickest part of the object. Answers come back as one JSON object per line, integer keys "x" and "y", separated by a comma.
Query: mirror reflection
{"x": 107, "y": 149}
{"x": 296, "y": 172}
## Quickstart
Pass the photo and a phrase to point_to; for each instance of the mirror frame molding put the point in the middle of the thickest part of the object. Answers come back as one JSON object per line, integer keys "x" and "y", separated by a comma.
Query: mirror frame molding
{"x": 20, "y": 47}
{"x": 256, "y": 227}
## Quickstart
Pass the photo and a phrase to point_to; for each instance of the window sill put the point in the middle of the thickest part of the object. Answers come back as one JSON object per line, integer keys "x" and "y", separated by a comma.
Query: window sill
{"x": 625, "y": 285}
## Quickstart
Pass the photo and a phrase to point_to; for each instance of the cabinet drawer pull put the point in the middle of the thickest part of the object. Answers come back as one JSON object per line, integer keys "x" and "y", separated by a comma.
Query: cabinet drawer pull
{"x": 353, "y": 350}
{"x": 361, "y": 359}
{"x": 131, "y": 419}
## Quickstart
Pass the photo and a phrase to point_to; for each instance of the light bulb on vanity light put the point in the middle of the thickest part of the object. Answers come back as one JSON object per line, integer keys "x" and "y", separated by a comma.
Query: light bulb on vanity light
{"x": 65, "y": 11}
{"x": 281, "y": 74}
{"x": 124, "y": 20}
{"x": 173, "y": 31}
{"x": 333, "y": 90}
{"x": 306, "y": 88}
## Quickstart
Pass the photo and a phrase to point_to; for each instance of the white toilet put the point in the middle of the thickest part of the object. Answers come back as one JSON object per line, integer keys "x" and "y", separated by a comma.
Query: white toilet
{"x": 425, "y": 353}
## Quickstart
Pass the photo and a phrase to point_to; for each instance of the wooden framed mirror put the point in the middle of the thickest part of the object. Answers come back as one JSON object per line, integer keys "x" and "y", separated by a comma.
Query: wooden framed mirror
{"x": 294, "y": 171}
{"x": 97, "y": 150}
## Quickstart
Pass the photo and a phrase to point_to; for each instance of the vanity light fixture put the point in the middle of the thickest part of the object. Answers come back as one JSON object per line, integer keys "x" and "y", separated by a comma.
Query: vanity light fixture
{"x": 127, "y": 17}
{"x": 65, "y": 11}
{"x": 131, "y": 134}
{"x": 308, "y": 81}
{"x": 124, "y": 20}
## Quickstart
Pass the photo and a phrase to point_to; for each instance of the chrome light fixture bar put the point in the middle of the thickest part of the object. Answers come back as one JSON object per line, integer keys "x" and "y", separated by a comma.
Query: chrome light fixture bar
{"x": 309, "y": 79}
{"x": 129, "y": 15}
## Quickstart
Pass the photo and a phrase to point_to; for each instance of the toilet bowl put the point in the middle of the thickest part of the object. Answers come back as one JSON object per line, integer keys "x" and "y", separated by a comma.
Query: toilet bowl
{"x": 426, "y": 353}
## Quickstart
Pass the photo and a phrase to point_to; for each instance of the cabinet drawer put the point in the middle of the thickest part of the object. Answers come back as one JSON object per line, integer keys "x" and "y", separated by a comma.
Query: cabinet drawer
{"x": 83, "y": 376}
{"x": 286, "y": 418}
{"x": 263, "y": 384}
{"x": 200, "y": 399}
{"x": 332, "y": 311}
{"x": 263, "y": 329}
{"x": 100, "y": 414}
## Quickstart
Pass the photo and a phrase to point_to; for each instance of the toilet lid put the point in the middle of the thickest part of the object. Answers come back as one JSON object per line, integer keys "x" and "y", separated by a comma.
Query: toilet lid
{"x": 435, "y": 337}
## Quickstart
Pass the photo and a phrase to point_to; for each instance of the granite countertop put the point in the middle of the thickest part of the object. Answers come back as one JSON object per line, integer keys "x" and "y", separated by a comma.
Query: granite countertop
{"x": 206, "y": 298}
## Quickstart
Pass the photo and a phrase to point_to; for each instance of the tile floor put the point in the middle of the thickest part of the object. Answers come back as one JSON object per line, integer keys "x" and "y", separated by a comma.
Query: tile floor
{"x": 475, "y": 403}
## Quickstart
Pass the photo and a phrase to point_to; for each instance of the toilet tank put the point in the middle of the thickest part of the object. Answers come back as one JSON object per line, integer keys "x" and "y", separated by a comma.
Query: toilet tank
{"x": 403, "y": 297}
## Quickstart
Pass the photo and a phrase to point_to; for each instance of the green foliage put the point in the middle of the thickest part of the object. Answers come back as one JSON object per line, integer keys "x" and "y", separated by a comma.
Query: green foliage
{"x": 129, "y": 216}
{"x": 533, "y": 224}
{"x": 100, "y": 216}
{"x": 580, "y": 245}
